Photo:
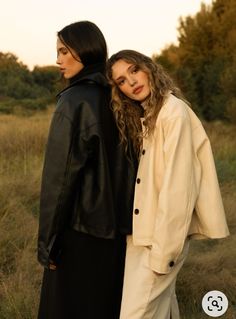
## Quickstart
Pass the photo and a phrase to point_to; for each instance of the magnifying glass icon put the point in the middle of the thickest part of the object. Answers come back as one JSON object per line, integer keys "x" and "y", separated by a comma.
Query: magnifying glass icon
{"x": 215, "y": 303}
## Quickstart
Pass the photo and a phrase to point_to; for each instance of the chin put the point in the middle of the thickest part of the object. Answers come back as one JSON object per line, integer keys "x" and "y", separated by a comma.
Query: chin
{"x": 145, "y": 97}
{"x": 142, "y": 99}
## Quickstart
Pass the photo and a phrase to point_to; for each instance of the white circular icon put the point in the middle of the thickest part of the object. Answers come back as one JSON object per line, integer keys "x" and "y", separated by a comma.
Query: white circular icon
{"x": 215, "y": 303}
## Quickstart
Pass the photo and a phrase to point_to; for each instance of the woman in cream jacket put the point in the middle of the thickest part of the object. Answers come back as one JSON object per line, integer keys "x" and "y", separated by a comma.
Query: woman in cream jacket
{"x": 177, "y": 193}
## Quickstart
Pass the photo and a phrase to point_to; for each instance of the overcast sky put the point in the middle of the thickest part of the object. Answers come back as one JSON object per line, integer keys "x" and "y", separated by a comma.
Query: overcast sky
{"x": 28, "y": 27}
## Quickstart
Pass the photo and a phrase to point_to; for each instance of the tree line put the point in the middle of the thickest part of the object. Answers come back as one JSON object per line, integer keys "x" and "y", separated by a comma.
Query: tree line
{"x": 22, "y": 89}
{"x": 203, "y": 64}
{"x": 204, "y": 61}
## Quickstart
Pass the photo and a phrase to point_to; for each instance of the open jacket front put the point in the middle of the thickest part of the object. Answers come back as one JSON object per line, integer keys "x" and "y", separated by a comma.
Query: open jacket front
{"x": 177, "y": 192}
{"x": 87, "y": 182}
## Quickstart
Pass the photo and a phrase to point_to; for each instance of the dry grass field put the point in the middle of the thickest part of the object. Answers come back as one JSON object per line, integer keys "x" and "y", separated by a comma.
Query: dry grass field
{"x": 210, "y": 264}
{"x": 22, "y": 142}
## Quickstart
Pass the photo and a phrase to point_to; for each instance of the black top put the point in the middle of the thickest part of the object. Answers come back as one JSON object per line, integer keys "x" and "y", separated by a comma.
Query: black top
{"x": 88, "y": 181}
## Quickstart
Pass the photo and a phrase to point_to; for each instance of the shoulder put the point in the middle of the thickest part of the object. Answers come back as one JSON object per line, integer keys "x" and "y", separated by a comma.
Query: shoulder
{"x": 173, "y": 107}
{"x": 84, "y": 92}
{"x": 84, "y": 99}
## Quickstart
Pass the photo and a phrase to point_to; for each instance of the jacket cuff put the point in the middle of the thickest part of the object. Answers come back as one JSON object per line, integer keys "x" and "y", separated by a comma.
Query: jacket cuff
{"x": 161, "y": 264}
{"x": 43, "y": 257}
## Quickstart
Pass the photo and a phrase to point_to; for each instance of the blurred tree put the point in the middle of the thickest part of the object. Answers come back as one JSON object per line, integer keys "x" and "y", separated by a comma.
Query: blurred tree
{"x": 16, "y": 80}
{"x": 19, "y": 87}
{"x": 204, "y": 61}
{"x": 48, "y": 77}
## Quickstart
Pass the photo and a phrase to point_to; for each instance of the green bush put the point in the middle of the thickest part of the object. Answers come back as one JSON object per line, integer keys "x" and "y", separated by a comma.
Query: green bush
{"x": 24, "y": 106}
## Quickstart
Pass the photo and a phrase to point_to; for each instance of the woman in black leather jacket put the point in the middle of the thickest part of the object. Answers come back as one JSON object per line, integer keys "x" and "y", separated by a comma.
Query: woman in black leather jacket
{"x": 87, "y": 188}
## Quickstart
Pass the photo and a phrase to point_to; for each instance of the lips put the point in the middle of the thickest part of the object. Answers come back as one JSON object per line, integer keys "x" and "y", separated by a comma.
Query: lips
{"x": 62, "y": 70}
{"x": 138, "y": 89}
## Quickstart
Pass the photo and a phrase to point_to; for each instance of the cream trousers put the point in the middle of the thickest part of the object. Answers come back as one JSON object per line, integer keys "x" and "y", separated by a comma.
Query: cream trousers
{"x": 147, "y": 295}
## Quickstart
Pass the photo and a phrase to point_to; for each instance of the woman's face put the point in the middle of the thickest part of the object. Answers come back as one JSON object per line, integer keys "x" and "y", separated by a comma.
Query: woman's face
{"x": 69, "y": 66}
{"x": 132, "y": 81}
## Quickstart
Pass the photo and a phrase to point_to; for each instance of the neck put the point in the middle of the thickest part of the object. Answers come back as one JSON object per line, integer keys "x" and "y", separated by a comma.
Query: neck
{"x": 93, "y": 68}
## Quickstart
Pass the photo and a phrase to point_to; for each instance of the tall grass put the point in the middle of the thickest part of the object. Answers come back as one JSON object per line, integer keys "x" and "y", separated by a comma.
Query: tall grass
{"x": 211, "y": 263}
{"x": 22, "y": 143}
{"x": 209, "y": 266}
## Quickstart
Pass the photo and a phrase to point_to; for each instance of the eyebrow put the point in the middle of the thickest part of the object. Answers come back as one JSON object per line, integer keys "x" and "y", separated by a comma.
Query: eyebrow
{"x": 61, "y": 48}
{"x": 119, "y": 78}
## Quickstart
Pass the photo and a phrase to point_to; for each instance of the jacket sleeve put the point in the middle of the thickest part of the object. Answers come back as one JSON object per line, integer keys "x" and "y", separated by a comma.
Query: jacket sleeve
{"x": 54, "y": 186}
{"x": 177, "y": 196}
{"x": 209, "y": 220}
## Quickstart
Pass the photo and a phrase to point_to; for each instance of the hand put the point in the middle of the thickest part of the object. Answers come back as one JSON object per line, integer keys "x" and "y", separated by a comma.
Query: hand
{"x": 52, "y": 266}
{"x": 159, "y": 274}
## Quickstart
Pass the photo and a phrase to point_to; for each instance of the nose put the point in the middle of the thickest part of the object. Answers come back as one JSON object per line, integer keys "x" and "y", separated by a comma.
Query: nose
{"x": 58, "y": 60}
{"x": 132, "y": 81}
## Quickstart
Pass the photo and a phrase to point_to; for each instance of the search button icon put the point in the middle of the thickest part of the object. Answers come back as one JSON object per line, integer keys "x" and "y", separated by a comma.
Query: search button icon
{"x": 215, "y": 303}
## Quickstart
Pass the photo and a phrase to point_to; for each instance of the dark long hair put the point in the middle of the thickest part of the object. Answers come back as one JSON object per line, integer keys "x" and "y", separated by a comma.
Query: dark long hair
{"x": 87, "y": 40}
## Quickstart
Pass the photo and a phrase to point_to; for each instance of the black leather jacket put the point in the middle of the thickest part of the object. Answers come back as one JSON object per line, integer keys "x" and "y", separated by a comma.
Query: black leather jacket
{"x": 88, "y": 181}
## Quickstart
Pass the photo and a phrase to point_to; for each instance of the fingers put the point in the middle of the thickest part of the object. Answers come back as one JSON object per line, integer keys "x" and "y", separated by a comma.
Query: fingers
{"x": 159, "y": 274}
{"x": 52, "y": 267}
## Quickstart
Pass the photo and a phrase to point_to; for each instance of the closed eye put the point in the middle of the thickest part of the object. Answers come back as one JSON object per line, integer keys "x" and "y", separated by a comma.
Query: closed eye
{"x": 62, "y": 51}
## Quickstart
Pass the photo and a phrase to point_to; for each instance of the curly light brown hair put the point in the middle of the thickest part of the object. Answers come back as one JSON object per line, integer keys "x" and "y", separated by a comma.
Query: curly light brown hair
{"x": 127, "y": 111}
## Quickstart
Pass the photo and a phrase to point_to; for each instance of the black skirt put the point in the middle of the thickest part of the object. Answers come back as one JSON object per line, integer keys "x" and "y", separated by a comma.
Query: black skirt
{"x": 88, "y": 281}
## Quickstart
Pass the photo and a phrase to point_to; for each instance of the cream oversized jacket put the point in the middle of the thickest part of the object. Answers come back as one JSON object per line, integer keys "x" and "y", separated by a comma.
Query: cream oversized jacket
{"x": 177, "y": 192}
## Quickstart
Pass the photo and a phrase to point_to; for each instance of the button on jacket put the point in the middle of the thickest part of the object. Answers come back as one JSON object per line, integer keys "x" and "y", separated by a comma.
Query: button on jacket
{"x": 178, "y": 192}
{"x": 88, "y": 181}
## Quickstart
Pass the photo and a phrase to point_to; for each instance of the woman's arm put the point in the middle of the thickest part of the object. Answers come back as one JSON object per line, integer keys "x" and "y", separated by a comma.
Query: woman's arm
{"x": 53, "y": 179}
{"x": 177, "y": 195}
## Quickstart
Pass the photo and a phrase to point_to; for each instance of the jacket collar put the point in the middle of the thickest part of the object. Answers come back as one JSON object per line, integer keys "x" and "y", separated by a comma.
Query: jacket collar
{"x": 94, "y": 73}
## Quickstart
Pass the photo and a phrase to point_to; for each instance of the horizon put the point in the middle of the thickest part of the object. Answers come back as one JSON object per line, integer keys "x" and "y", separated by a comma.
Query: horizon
{"x": 147, "y": 28}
